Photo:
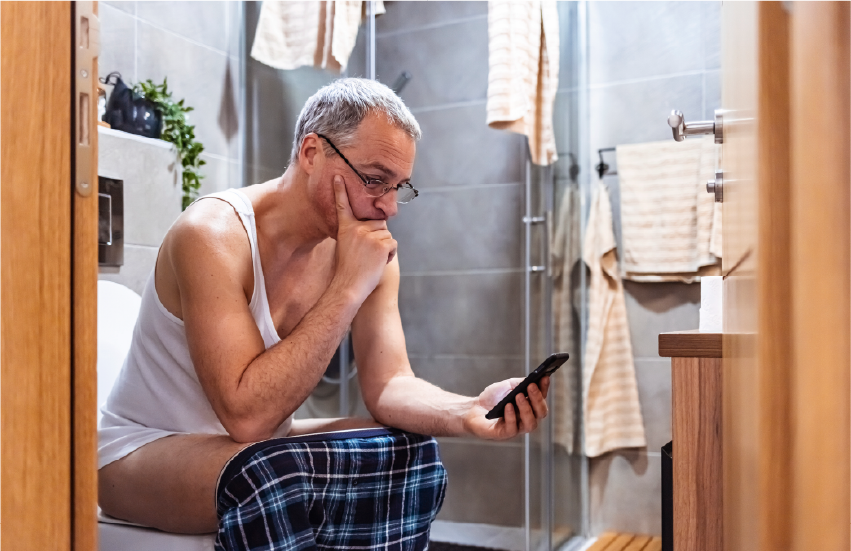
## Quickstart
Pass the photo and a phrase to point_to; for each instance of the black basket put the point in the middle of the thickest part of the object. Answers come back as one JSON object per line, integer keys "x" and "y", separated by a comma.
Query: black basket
{"x": 130, "y": 112}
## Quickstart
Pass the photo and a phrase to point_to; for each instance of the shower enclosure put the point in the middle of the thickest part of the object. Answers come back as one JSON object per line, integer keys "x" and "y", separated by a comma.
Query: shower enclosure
{"x": 491, "y": 278}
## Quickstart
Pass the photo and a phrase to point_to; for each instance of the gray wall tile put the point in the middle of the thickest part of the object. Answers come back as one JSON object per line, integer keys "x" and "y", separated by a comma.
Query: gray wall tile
{"x": 711, "y": 93}
{"x": 654, "y": 392}
{"x": 460, "y": 228}
{"x": 273, "y": 103}
{"x": 202, "y": 22}
{"x": 654, "y": 308}
{"x": 710, "y": 24}
{"x": 565, "y": 111}
{"x": 626, "y": 489}
{"x": 458, "y": 148}
{"x": 403, "y": 16}
{"x": 467, "y": 376}
{"x": 485, "y": 483}
{"x": 152, "y": 183}
{"x": 196, "y": 73}
{"x": 128, "y": 6}
{"x": 258, "y": 174}
{"x": 235, "y": 28}
{"x": 638, "y": 111}
{"x": 476, "y": 314}
{"x": 139, "y": 261}
{"x": 448, "y": 64}
{"x": 569, "y": 47}
{"x": 629, "y": 40}
{"x": 118, "y": 43}
{"x": 567, "y": 479}
{"x": 219, "y": 175}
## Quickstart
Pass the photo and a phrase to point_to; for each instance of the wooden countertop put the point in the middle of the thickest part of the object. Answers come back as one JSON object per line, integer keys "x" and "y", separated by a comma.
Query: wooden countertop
{"x": 690, "y": 344}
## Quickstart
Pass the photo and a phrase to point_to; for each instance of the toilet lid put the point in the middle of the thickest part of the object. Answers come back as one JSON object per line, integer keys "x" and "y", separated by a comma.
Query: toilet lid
{"x": 118, "y": 308}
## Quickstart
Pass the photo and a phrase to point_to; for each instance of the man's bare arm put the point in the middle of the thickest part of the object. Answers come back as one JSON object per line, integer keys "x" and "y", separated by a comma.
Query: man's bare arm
{"x": 395, "y": 397}
{"x": 253, "y": 391}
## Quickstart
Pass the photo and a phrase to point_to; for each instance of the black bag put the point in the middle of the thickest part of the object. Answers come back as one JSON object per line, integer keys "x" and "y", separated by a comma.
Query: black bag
{"x": 130, "y": 112}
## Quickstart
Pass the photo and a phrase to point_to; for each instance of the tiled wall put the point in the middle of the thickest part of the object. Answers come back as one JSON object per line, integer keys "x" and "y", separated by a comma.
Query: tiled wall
{"x": 152, "y": 190}
{"x": 645, "y": 59}
{"x": 196, "y": 45}
{"x": 459, "y": 242}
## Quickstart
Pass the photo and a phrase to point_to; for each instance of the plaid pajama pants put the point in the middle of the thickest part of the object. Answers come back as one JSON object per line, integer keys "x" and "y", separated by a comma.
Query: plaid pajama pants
{"x": 364, "y": 489}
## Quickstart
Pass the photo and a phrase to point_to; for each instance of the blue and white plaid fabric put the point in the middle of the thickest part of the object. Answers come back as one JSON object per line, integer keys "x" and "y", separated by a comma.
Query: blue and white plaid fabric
{"x": 381, "y": 490}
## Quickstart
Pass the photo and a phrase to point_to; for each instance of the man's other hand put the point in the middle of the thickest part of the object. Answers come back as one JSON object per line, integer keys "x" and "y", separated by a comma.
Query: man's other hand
{"x": 364, "y": 247}
{"x": 521, "y": 419}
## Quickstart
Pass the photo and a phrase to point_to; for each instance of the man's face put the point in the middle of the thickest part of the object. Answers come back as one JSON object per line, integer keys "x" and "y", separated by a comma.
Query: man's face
{"x": 380, "y": 151}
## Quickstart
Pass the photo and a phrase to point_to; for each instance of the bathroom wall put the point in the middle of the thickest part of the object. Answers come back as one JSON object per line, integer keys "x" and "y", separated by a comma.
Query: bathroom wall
{"x": 460, "y": 240}
{"x": 645, "y": 59}
{"x": 196, "y": 45}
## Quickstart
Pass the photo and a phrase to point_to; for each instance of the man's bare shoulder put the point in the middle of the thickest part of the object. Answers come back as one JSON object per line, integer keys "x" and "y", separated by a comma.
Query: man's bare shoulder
{"x": 209, "y": 224}
{"x": 208, "y": 238}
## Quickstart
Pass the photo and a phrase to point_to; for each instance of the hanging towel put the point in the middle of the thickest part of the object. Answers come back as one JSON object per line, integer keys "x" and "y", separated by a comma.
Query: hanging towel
{"x": 565, "y": 262}
{"x": 671, "y": 226}
{"x": 523, "y": 52}
{"x": 318, "y": 33}
{"x": 610, "y": 394}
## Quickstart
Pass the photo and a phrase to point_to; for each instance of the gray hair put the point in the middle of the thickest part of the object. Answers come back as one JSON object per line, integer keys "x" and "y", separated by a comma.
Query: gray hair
{"x": 336, "y": 111}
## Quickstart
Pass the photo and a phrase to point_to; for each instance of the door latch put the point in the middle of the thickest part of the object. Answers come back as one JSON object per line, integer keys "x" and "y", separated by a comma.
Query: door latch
{"x": 681, "y": 130}
{"x": 716, "y": 186}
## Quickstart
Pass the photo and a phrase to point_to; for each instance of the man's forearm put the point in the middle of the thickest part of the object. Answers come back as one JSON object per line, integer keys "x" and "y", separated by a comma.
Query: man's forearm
{"x": 415, "y": 405}
{"x": 277, "y": 381}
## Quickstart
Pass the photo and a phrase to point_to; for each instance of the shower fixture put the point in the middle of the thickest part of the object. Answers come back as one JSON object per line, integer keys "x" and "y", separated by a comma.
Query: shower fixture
{"x": 401, "y": 82}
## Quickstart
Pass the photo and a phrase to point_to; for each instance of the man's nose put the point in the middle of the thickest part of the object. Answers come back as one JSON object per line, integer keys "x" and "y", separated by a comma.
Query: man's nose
{"x": 387, "y": 203}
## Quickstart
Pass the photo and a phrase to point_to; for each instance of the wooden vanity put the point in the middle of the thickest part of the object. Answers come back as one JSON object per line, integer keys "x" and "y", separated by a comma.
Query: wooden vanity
{"x": 697, "y": 460}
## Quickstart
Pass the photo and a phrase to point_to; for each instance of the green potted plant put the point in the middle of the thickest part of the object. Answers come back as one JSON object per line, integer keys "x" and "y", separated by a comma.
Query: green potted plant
{"x": 176, "y": 130}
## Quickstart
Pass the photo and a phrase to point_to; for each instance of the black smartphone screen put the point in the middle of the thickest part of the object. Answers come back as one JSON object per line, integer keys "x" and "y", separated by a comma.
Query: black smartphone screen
{"x": 548, "y": 367}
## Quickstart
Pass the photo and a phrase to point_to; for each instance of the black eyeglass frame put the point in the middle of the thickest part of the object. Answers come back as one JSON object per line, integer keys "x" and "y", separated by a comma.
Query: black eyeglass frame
{"x": 373, "y": 181}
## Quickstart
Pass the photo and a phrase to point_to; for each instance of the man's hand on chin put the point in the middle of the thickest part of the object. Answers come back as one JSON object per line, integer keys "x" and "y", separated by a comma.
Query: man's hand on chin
{"x": 520, "y": 420}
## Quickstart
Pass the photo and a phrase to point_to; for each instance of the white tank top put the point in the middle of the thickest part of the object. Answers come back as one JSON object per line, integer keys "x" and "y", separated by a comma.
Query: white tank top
{"x": 157, "y": 393}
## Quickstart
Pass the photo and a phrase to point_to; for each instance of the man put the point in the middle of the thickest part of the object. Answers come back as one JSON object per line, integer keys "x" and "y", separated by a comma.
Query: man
{"x": 252, "y": 292}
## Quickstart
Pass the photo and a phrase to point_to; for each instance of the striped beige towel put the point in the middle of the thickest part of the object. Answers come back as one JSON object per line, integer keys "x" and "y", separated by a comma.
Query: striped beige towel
{"x": 319, "y": 33}
{"x": 610, "y": 394}
{"x": 671, "y": 225}
{"x": 523, "y": 72}
{"x": 566, "y": 257}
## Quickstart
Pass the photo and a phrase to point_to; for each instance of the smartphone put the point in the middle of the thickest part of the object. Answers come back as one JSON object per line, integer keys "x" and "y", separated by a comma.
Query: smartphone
{"x": 548, "y": 367}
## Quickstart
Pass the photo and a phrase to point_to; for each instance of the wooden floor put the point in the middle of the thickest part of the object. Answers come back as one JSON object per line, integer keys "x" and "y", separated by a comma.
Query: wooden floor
{"x": 611, "y": 541}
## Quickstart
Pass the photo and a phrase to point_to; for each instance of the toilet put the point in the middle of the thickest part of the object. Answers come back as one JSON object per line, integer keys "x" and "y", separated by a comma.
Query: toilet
{"x": 118, "y": 308}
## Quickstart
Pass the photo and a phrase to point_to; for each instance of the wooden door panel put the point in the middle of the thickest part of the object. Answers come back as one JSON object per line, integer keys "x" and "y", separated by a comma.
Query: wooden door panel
{"x": 757, "y": 303}
{"x": 84, "y": 306}
{"x": 821, "y": 274}
{"x": 35, "y": 217}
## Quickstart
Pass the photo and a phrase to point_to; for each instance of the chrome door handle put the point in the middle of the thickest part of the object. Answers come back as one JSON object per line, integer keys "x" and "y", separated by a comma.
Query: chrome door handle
{"x": 716, "y": 186}
{"x": 681, "y": 130}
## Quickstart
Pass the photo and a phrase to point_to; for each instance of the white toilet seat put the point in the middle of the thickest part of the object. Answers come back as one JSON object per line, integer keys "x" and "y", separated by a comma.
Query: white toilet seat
{"x": 123, "y": 537}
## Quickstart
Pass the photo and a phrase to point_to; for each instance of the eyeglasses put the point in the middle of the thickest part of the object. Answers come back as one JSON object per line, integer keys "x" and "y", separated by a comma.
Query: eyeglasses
{"x": 405, "y": 193}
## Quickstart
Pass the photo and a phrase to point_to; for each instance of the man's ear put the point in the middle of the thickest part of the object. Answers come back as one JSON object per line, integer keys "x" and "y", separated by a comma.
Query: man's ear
{"x": 309, "y": 153}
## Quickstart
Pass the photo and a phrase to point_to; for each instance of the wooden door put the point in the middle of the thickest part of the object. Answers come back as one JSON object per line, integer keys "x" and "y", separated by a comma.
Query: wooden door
{"x": 755, "y": 161}
{"x": 821, "y": 274}
{"x": 48, "y": 285}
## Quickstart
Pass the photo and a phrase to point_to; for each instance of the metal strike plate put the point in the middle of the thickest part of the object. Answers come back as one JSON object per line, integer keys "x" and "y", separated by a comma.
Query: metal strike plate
{"x": 86, "y": 49}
